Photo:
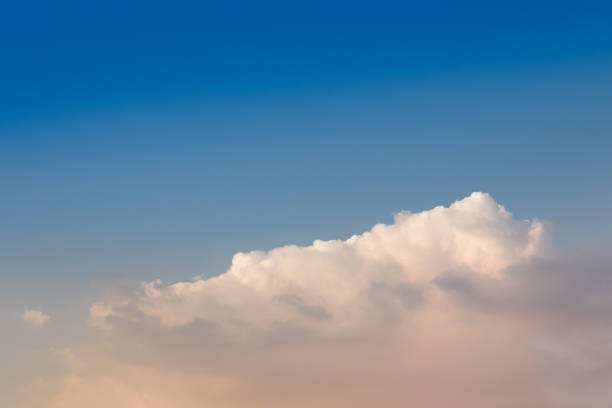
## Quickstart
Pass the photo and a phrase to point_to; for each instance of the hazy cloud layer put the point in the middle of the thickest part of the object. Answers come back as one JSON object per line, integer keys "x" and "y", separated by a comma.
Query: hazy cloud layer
{"x": 462, "y": 306}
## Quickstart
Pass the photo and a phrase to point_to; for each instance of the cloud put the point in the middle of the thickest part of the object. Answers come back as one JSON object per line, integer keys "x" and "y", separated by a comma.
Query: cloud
{"x": 35, "y": 317}
{"x": 340, "y": 279}
{"x": 461, "y": 306}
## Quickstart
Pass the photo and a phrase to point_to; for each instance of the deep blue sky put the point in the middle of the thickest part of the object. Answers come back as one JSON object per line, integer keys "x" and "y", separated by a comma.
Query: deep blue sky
{"x": 155, "y": 140}
{"x": 60, "y": 57}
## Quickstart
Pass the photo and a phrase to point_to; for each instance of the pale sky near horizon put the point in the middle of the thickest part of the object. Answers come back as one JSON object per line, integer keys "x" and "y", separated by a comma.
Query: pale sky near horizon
{"x": 155, "y": 141}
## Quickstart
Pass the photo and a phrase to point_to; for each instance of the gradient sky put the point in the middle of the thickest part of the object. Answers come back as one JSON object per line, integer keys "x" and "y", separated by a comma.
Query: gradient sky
{"x": 155, "y": 140}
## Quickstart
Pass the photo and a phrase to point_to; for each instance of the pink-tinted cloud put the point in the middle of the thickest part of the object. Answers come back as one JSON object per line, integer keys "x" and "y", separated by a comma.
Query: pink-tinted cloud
{"x": 459, "y": 306}
{"x": 35, "y": 318}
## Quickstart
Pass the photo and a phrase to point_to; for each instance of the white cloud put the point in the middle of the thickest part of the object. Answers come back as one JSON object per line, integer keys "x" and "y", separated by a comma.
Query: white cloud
{"x": 335, "y": 280}
{"x": 459, "y": 306}
{"x": 35, "y": 317}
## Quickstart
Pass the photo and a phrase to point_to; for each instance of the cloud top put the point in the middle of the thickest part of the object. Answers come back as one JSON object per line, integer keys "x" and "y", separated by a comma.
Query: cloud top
{"x": 335, "y": 285}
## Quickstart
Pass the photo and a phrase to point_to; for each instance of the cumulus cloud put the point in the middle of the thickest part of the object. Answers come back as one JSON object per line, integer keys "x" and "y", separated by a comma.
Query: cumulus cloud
{"x": 35, "y": 317}
{"x": 336, "y": 285}
{"x": 461, "y": 306}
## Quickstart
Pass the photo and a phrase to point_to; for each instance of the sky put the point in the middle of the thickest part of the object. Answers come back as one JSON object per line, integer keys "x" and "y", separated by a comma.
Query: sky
{"x": 157, "y": 141}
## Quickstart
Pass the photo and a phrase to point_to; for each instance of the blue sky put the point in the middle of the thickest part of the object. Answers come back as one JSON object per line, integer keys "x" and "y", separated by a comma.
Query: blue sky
{"x": 155, "y": 140}
{"x": 151, "y": 141}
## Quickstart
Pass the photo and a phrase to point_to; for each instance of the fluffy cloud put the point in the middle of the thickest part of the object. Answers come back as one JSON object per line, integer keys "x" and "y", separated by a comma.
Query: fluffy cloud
{"x": 35, "y": 317}
{"x": 459, "y": 306}
{"x": 337, "y": 285}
